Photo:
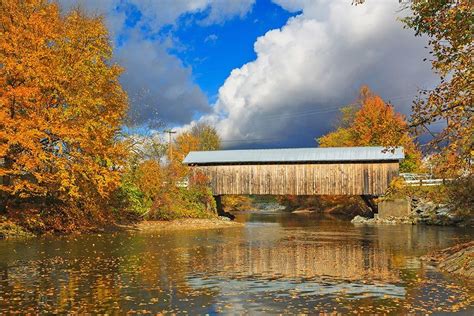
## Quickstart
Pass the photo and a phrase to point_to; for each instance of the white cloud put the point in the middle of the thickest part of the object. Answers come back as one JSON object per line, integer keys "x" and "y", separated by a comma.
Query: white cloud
{"x": 160, "y": 87}
{"x": 211, "y": 38}
{"x": 158, "y": 13}
{"x": 316, "y": 63}
{"x": 222, "y": 10}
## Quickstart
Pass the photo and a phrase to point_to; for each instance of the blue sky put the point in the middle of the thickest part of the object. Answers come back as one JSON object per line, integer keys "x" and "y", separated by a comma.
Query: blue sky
{"x": 213, "y": 51}
{"x": 265, "y": 73}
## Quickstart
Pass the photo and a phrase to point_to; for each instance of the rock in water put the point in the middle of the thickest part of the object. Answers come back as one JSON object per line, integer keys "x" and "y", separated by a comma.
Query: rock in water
{"x": 362, "y": 220}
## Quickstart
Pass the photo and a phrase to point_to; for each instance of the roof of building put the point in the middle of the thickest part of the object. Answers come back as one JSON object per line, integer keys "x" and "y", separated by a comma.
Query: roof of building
{"x": 294, "y": 155}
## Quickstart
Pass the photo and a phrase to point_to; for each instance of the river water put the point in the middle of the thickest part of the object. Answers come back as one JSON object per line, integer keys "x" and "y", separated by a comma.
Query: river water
{"x": 276, "y": 263}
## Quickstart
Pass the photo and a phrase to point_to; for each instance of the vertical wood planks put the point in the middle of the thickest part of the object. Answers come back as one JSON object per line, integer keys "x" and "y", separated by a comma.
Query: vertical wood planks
{"x": 301, "y": 179}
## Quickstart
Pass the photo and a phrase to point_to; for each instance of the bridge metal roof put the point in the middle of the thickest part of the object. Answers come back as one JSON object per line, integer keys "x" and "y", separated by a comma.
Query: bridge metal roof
{"x": 289, "y": 155}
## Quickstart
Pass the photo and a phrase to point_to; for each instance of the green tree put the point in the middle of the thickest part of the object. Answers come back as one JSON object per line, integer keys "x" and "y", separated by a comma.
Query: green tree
{"x": 207, "y": 135}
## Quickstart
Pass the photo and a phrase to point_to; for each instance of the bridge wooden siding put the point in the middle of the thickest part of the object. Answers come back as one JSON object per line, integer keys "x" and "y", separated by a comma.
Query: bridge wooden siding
{"x": 308, "y": 171}
{"x": 301, "y": 179}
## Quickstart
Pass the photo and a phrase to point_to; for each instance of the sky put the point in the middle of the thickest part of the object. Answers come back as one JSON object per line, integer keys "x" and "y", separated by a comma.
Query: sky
{"x": 265, "y": 73}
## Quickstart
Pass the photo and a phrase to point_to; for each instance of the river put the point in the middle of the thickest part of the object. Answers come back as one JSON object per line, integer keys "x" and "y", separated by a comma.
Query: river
{"x": 276, "y": 263}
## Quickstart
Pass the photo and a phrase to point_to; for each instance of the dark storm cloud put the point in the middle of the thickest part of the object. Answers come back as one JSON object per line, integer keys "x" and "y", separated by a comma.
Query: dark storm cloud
{"x": 159, "y": 85}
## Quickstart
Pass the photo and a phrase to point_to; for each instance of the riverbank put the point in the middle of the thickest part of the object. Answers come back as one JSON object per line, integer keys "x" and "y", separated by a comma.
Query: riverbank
{"x": 424, "y": 212}
{"x": 9, "y": 229}
{"x": 458, "y": 260}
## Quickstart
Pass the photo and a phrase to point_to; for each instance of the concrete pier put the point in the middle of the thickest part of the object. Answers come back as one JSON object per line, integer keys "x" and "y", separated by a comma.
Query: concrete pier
{"x": 394, "y": 208}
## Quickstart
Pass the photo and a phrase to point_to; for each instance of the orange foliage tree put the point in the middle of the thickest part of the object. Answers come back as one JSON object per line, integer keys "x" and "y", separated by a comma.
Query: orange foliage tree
{"x": 374, "y": 123}
{"x": 201, "y": 137}
{"x": 171, "y": 200}
{"x": 184, "y": 143}
{"x": 150, "y": 179}
{"x": 61, "y": 105}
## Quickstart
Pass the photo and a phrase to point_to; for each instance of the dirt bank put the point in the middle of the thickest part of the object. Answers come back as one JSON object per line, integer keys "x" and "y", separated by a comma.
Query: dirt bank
{"x": 458, "y": 260}
{"x": 9, "y": 229}
{"x": 184, "y": 224}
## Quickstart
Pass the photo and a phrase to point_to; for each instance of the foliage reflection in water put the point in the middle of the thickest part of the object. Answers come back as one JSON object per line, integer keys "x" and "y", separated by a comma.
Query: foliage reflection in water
{"x": 278, "y": 262}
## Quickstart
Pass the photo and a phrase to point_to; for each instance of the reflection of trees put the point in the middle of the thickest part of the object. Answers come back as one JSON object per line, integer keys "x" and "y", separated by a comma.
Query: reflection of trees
{"x": 150, "y": 272}
{"x": 98, "y": 274}
{"x": 156, "y": 269}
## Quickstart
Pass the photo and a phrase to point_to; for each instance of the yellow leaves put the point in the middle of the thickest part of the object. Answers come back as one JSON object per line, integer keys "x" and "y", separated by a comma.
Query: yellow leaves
{"x": 207, "y": 135}
{"x": 185, "y": 143}
{"x": 448, "y": 25}
{"x": 61, "y": 103}
{"x": 237, "y": 202}
{"x": 397, "y": 184}
{"x": 342, "y": 137}
{"x": 150, "y": 178}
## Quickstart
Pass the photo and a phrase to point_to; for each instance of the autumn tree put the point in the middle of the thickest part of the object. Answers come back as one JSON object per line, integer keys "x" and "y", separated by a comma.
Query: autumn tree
{"x": 160, "y": 185}
{"x": 342, "y": 136}
{"x": 184, "y": 144}
{"x": 61, "y": 105}
{"x": 201, "y": 137}
{"x": 372, "y": 122}
{"x": 449, "y": 27}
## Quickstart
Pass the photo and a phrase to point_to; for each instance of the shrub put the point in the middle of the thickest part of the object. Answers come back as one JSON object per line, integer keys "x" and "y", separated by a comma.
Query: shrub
{"x": 151, "y": 191}
{"x": 131, "y": 199}
{"x": 460, "y": 193}
{"x": 237, "y": 202}
{"x": 398, "y": 189}
{"x": 192, "y": 202}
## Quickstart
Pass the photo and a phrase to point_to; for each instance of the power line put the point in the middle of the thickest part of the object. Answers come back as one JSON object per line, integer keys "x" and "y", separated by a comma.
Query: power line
{"x": 249, "y": 140}
{"x": 327, "y": 109}
{"x": 303, "y": 113}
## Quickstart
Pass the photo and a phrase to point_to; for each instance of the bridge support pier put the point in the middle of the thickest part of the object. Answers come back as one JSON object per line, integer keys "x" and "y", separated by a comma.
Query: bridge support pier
{"x": 394, "y": 208}
{"x": 369, "y": 201}
{"x": 220, "y": 208}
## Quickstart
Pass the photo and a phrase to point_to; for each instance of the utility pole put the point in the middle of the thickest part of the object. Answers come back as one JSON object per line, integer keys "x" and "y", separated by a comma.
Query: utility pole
{"x": 170, "y": 148}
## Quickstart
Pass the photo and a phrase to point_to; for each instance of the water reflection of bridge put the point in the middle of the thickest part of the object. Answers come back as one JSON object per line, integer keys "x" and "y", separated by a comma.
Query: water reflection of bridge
{"x": 350, "y": 261}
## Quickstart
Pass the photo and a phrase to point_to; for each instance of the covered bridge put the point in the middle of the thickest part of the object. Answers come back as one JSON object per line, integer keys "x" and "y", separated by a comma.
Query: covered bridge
{"x": 299, "y": 171}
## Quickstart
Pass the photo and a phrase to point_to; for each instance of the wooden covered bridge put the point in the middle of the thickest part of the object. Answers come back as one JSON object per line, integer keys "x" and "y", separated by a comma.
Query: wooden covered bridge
{"x": 365, "y": 171}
